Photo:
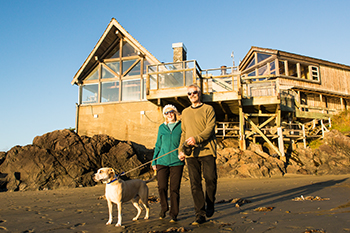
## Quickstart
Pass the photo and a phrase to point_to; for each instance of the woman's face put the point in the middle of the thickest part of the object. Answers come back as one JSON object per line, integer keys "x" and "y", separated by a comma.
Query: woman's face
{"x": 170, "y": 115}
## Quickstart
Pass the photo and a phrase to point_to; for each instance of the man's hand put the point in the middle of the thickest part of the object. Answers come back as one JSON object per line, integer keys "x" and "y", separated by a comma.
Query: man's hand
{"x": 154, "y": 167}
{"x": 181, "y": 156}
{"x": 191, "y": 141}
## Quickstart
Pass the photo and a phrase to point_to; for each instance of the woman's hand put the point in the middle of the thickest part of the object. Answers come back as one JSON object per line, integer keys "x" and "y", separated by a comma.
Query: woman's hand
{"x": 181, "y": 156}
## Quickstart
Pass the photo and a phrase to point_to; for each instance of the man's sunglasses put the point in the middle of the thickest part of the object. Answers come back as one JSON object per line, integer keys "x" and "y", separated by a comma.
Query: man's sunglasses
{"x": 193, "y": 92}
{"x": 168, "y": 112}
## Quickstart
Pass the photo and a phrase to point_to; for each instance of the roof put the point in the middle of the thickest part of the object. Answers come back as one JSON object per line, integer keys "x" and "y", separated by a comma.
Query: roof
{"x": 288, "y": 55}
{"x": 113, "y": 32}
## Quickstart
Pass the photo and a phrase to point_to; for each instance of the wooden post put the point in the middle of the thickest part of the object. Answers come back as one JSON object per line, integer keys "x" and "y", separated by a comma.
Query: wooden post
{"x": 304, "y": 138}
{"x": 322, "y": 127}
{"x": 241, "y": 129}
{"x": 256, "y": 129}
{"x": 281, "y": 144}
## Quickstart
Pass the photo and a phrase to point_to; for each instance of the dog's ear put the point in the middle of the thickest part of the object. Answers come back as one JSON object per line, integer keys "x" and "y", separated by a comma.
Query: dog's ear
{"x": 111, "y": 172}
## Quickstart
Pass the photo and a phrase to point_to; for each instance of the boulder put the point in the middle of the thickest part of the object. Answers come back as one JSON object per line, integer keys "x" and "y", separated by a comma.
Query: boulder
{"x": 63, "y": 159}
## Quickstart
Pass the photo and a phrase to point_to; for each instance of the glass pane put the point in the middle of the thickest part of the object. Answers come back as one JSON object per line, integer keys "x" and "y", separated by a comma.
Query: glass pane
{"x": 128, "y": 50}
{"x": 152, "y": 69}
{"x": 116, "y": 51}
{"x": 127, "y": 64}
{"x": 110, "y": 91}
{"x": 263, "y": 70}
{"x": 145, "y": 64}
{"x": 272, "y": 68}
{"x": 153, "y": 82}
{"x": 106, "y": 74}
{"x": 252, "y": 62}
{"x": 135, "y": 71}
{"x": 189, "y": 78}
{"x": 292, "y": 69}
{"x": 251, "y": 74}
{"x": 170, "y": 80}
{"x": 304, "y": 71}
{"x": 93, "y": 75}
{"x": 115, "y": 66}
{"x": 131, "y": 90}
{"x": 262, "y": 57}
{"x": 90, "y": 94}
{"x": 281, "y": 68}
{"x": 144, "y": 89}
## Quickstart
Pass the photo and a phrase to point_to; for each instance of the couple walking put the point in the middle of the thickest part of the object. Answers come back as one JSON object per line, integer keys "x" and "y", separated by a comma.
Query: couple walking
{"x": 195, "y": 137}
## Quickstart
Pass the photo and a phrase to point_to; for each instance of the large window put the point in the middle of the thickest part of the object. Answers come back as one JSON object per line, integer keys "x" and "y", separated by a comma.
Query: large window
{"x": 90, "y": 94}
{"x": 110, "y": 91}
{"x": 131, "y": 90}
{"x": 262, "y": 67}
{"x": 117, "y": 77}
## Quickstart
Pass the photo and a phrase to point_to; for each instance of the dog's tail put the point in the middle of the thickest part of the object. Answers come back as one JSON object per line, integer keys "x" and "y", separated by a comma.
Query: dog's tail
{"x": 152, "y": 179}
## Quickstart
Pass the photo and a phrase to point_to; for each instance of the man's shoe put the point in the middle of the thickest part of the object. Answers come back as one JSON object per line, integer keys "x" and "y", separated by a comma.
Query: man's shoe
{"x": 210, "y": 212}
{"x": 199, "y": 220}
{"x": 161, "y": 215}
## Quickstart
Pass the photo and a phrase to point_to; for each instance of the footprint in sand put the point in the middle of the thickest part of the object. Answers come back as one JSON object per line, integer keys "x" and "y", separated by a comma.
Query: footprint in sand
{"x": 29, "y": 231}
{"x": 60, "y": 210}
{"x": 78, "y": 225}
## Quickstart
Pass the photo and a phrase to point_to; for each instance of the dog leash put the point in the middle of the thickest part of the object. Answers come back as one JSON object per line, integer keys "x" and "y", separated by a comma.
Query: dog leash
{"x": 123, "y": 173}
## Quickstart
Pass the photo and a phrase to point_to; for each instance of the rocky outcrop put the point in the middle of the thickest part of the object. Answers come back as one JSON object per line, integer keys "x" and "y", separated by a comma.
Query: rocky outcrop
{"x": 251, "y": 163}
{"x": 62, "y": 159}
{"x": 332, "y": 157}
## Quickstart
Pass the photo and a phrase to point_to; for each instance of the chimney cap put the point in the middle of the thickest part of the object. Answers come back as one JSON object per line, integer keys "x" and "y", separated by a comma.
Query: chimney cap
{"x": 179, "y": 45}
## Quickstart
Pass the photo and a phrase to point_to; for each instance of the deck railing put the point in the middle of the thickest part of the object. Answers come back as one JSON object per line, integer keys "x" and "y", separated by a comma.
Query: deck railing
{"x": 170, "y": 75}
{"x": 221, "y": 79}
{"x": 261, "y": 88}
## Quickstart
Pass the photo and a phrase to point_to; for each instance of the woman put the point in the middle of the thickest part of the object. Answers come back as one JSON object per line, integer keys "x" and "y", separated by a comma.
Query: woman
{"x": 168, "y": 166}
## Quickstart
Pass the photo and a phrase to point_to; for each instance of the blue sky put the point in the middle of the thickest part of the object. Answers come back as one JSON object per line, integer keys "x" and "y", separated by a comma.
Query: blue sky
{"x": 44, "y": 43}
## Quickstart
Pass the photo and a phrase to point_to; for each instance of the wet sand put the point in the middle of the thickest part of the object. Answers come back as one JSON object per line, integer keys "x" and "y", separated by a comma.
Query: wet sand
{"x": 80, "y": 210}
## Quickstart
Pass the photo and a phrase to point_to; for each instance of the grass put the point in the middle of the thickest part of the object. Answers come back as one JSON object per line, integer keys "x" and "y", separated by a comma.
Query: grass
{"x": 341, "y": 122}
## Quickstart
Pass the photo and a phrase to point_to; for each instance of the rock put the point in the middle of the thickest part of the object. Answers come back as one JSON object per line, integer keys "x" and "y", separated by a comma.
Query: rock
{"x": 62, "y": 159}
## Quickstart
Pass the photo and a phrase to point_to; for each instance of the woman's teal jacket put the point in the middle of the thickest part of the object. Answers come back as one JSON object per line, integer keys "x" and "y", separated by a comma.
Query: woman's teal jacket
{"x": 168, "y": 140}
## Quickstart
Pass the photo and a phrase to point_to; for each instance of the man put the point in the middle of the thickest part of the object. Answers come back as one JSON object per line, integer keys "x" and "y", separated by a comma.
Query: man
{"x": 198, "y": 133}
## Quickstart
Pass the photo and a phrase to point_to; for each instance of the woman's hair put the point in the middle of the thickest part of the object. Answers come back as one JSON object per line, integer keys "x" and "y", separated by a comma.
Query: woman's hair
{"x": 167, "y": 108}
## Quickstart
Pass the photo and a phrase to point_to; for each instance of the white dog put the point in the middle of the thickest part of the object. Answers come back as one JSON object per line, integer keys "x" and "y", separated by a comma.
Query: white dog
{"x": 119, "y": 191}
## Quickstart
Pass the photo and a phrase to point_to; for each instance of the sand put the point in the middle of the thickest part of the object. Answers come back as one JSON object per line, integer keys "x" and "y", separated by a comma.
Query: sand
{"x": 80, "y": 210}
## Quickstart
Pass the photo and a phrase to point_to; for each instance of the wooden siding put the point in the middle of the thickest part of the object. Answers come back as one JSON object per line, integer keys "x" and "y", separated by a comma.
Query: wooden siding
{"x": 124, "y": 121}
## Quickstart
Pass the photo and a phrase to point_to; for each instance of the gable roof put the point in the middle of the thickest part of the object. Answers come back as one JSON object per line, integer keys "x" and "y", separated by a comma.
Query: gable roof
{"x": 113, "y": 32}
{"x": 287, "y": 55}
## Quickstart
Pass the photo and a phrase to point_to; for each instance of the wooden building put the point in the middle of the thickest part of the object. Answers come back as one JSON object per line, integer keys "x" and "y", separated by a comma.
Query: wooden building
{"x": 272, "y": 96}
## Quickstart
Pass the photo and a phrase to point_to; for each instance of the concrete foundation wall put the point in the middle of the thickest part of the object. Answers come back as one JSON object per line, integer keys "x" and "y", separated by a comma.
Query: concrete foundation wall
{"x": 134, "y": 121}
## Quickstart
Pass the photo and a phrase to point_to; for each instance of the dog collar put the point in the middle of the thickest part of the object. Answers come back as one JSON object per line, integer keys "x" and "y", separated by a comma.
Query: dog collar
{"x": 110, "y": 182}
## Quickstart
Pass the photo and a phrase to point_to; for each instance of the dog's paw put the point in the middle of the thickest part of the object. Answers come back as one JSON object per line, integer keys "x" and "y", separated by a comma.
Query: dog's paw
{"x": 118, "y": 224}
{"x": 108, "y": 223}
{"x": 135, "y": 219}
{"x": 146, "y": 217}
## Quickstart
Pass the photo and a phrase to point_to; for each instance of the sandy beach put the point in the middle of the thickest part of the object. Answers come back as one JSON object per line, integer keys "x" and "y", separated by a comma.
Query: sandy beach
{"x": 81, "y": 210}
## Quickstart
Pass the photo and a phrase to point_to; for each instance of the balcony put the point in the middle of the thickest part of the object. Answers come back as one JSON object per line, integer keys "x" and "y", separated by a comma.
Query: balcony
{"x": 169, "y": 81}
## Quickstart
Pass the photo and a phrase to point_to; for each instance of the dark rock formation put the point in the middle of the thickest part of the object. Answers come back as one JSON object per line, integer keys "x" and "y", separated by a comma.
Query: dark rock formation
{"x": 62, "y": 159}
